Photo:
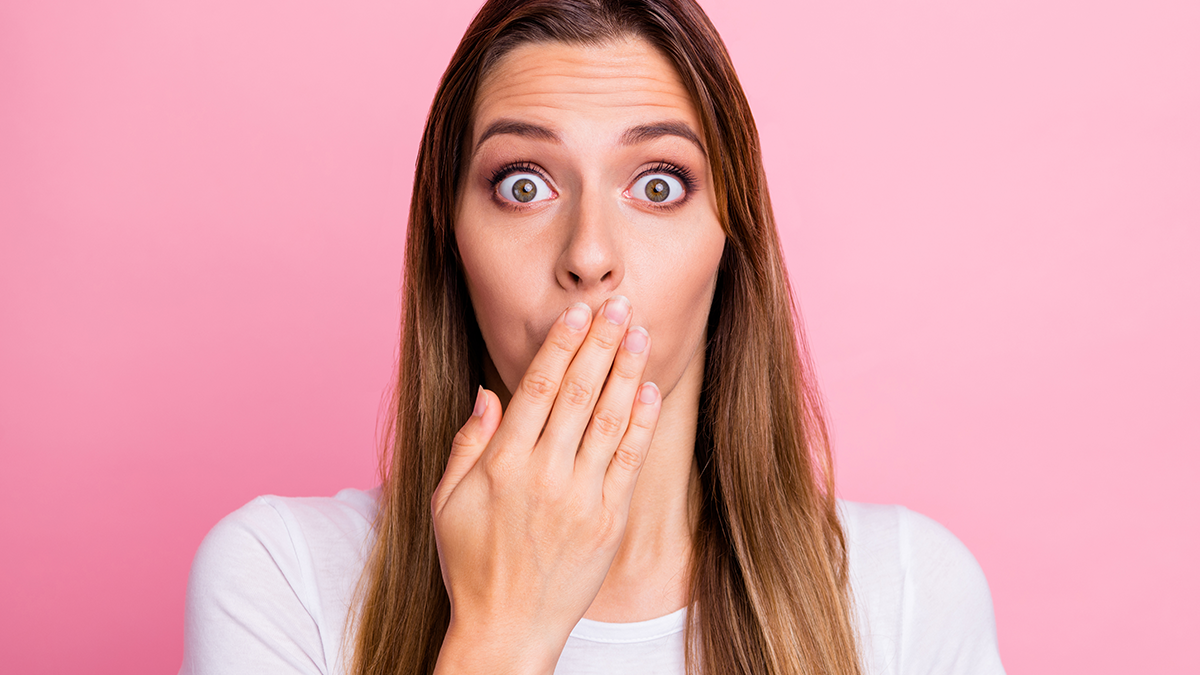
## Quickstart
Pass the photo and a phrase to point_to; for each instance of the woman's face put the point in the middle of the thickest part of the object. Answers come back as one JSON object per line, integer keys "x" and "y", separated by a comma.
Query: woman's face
{"x": 586, "y": 178}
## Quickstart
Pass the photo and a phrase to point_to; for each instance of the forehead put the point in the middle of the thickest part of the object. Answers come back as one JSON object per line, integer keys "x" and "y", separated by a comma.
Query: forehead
{"x": 613, "y": 83}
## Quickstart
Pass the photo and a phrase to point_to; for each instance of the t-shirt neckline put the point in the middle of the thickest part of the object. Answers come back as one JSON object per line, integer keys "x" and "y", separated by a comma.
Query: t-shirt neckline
{"x": 636, "y": 631}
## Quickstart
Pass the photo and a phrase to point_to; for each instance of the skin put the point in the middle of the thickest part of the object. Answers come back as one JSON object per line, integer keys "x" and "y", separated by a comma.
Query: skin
{"x": 603, "y": 500}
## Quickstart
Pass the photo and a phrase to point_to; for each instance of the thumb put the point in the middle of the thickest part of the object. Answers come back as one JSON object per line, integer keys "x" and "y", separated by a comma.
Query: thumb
{"x": 469, "y": 443}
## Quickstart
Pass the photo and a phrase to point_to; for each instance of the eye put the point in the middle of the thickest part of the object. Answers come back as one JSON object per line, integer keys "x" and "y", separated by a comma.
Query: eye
{"x": 659, "y": 188}
{"x": 524, "y": 188}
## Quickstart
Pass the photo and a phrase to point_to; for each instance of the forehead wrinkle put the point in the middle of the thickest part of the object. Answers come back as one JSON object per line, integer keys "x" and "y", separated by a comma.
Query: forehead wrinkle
{"x": 558, "y": 54}
{"x": 511, "y": 95}
{"x": 524, "y": 73}
{"x": 521, "y": 89}
{"x": 554, "y": 134}
{"x": 603, "y": 102}
{"x": 597, "y": 79}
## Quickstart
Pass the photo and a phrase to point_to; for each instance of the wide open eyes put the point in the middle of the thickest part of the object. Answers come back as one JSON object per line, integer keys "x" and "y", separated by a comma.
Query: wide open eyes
{"x": 524, "y": 188}
{"x": 658, "y": 188}
{"x": 662, "y": 185}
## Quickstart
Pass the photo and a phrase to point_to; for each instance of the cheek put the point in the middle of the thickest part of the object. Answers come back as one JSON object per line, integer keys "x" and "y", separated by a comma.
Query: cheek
{"x": 682, "y": 302}
{"x": 499, "y": 281}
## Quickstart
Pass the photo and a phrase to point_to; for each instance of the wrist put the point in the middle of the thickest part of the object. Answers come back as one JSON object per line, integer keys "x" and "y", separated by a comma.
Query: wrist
{"x": 468, "y": 649}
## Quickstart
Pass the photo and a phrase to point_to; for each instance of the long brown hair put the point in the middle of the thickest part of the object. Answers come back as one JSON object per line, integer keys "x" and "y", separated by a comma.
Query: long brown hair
{"x": 769, "y": 572}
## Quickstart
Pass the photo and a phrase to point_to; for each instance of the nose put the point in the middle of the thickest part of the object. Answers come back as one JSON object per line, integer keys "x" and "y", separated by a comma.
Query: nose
{"x": 592, "y": 262}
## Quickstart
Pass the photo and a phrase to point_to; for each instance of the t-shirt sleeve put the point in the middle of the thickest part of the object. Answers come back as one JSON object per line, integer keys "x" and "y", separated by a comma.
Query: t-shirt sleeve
{"x": 247, "y": 610}
{"x": 949, "y": 623}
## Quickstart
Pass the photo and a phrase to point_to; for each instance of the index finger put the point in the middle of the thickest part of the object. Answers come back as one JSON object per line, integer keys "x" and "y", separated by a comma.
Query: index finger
{"x": 530, "y": 404}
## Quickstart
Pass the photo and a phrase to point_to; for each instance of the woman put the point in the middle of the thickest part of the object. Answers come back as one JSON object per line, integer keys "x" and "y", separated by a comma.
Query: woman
{"x": 604, "y": 423}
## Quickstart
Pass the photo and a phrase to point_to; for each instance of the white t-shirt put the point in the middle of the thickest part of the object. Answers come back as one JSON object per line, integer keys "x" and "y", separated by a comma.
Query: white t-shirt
{"x": 271, "y": 586}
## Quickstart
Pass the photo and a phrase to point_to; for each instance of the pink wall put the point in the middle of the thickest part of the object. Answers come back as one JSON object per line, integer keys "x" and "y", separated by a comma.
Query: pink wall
{"x": 991, "y": 212}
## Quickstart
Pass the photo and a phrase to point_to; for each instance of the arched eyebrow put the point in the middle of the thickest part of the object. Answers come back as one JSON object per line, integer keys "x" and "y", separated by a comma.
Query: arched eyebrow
{"x": 647, "y": 132}
{"x": 507, "y": 126}
{"x": 632, "y": 135}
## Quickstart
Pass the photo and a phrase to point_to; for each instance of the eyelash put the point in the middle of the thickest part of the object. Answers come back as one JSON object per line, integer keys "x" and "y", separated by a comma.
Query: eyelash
{"x": 685, "y": 176}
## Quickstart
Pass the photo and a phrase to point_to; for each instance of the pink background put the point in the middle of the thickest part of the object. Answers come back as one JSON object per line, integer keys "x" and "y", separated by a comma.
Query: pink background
{"x": 991, "y": 212}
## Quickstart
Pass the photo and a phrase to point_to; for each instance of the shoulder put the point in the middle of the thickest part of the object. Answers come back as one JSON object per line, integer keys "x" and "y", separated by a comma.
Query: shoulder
{"x": 287, "y": 530}
{"x": 889, "y": 538}
{"x": 922, "y": 598}
{"x": 272, "y": 581}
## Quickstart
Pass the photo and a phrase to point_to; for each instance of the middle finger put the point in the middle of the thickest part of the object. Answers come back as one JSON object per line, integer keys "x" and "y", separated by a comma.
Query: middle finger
{"x": 582, "y": 384}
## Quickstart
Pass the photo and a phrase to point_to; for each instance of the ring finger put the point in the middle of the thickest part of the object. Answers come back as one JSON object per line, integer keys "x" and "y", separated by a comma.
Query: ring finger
{"x": 611, "y": 418}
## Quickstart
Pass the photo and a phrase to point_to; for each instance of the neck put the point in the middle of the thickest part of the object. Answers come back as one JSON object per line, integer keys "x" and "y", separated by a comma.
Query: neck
{"x": 649, "y": 576}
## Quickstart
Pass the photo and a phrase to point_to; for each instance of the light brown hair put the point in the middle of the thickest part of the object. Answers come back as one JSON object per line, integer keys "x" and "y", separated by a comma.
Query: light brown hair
{"x": 769, "y": 576}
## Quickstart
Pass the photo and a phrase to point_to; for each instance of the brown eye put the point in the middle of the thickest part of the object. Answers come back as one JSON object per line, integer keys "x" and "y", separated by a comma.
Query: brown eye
{"x": 660, "y": 188}
{"x": 524, "y": 188}
{"x": 657, "y": 190}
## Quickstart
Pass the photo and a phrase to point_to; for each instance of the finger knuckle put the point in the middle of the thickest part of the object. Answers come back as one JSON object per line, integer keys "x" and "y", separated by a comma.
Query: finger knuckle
{"x": 626, "y": 369}
{"x": 539, "y": 387}
{"x": 605, "y": 340}
{"x": 627, "y": 457}
{"x": 546, "y": 485}
{"x": 607, "y": 423}
{"x": 500, "y": 468}
{"x": 609, "y": 528}
{"x": 642, "y": 423}
{"x": 461, "y": 441}
{"x": 561, "y": 341}
{"x": 576, "y": 394}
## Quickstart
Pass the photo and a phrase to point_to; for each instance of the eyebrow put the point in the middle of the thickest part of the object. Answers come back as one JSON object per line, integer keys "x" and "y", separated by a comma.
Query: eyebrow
{"x": 632, "y": 135}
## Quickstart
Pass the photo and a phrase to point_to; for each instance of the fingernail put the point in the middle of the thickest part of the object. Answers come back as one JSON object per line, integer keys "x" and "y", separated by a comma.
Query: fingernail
{"x": 635, "y": 339}
{"x": 648, "y": 394}
{"x": 616, "y": 309}
{"x": 480, "y": 404}
{"x": 578, "y": 315}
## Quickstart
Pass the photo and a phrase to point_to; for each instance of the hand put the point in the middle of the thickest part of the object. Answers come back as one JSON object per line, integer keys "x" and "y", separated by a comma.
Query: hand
{"x": 527, "y": 520}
